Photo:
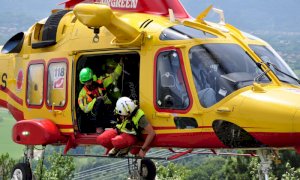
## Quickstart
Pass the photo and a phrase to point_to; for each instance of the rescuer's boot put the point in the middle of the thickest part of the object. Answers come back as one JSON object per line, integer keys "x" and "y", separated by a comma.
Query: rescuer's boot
{"x": 123, "y": 152}
{"x": 113, "y": 152}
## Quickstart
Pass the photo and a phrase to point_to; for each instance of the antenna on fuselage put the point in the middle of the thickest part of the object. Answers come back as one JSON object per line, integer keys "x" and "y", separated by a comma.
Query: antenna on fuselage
{"x": 171, "y": 15}
{"x": 202, "y": 15}
{"x": 221, "y": 14}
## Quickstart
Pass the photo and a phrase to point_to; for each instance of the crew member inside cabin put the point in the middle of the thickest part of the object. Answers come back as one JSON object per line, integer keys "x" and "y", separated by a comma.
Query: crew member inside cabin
{"x": 112, "y": 70}
{"x": 92, "y": 99}
{"x": 131, "y": 121}
{"x": 98, "y": 96}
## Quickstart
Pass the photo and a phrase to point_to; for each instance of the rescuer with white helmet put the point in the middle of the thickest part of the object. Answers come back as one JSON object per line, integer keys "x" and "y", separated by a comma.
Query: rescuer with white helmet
{"x": 125, "y": 106}
{"x": 131, "y": 121}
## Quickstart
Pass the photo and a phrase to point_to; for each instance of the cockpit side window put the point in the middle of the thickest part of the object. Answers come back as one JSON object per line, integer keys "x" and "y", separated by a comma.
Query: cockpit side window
{"x": 202, "y": 65}
{"x": 171, "y": 90}
{"x": 220, "y": 69}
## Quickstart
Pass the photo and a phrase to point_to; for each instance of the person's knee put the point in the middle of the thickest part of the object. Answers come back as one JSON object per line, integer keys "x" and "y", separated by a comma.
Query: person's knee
{"x": 105, "y": 138}
{"x": 119, "y": 142}
{"x": 123, "y": 141}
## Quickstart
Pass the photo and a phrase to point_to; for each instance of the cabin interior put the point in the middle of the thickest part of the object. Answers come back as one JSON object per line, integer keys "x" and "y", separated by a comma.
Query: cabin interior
{"x": 128, "y": 82}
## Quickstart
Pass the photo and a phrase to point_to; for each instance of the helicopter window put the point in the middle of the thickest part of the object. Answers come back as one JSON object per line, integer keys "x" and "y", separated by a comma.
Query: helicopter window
{"x": 35, "y": 84}
{"x": 180, "y": 32}
{"x": 171, "y": 89}
{"x": 57, "y": 74}
{"x": 220, "y": 69}
{"x": 268, "y": 55}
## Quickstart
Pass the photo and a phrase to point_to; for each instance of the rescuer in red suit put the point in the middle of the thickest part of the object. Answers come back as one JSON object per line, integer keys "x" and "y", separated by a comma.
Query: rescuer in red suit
{"x": 131, "y": 121}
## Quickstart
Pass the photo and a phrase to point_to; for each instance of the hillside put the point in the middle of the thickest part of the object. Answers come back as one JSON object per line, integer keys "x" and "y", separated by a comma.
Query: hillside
{"x": 6, "y": 143}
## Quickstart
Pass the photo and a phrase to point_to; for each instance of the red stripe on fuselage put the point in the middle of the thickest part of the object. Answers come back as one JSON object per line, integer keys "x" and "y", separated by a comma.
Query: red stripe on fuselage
{"x": 207, "y": 140}
{"x": 16, "y": 113}
{"x": 64, "y": 126}
{"x": 210, "y": 140}
{"x": 188, "y": 140}
{"x": 3, "y": 103}
{"x": 173, "y": 127}
{"x": 277, "y": 139}
{"x": 13, "y": 96}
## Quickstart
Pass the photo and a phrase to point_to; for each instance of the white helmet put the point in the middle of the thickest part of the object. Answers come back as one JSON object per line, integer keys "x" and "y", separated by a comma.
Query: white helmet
{"x": 125, "y": 106}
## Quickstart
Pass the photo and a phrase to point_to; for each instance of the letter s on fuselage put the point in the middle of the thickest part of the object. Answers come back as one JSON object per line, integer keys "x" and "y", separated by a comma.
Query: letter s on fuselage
{"x": 3, "y": 81}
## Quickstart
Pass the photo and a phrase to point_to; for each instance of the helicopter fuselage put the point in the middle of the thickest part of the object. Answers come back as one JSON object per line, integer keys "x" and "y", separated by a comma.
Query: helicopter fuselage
{"x": 244, "y": 103}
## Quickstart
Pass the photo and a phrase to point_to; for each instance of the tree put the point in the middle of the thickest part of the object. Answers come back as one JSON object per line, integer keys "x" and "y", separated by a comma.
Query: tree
{"x": 60, "y": 167}
{"x": 211, "y": 168}
{"x": 286, "y": 156}
{"x": 172, "y": 172}
{"x": 254, "y": 169}
{"x": 291, "y": 173}
{"x": 6, "y": 165}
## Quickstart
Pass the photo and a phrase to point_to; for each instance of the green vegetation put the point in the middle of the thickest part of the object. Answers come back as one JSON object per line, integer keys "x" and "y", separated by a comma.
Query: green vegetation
{"x": 6, "y": 143}
{"x": 6, "y": 165}
{"x": 55, "y": 167}
{"x": 230, "y": 167}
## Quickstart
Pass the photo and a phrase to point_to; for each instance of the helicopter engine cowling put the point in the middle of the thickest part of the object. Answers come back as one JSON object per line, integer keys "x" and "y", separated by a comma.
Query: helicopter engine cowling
{"x": 36, "y": 132}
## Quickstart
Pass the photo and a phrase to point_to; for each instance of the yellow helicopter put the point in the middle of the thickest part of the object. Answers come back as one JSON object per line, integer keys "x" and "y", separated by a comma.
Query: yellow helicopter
{"x": 201, "y": 84}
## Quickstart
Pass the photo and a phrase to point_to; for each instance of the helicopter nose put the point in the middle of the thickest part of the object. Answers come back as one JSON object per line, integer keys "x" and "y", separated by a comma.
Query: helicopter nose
{"x": 271, "y": 117}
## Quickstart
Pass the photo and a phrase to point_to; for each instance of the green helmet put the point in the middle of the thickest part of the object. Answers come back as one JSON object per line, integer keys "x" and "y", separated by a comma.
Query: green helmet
{"x": 86, "y": 74}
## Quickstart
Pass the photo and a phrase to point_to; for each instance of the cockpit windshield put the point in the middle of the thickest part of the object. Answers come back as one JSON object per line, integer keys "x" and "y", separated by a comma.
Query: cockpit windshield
{"x": 180, "y": 32}
{"x": 278, "y": 65}
{"x": 220, "y": 69}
